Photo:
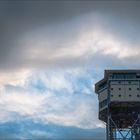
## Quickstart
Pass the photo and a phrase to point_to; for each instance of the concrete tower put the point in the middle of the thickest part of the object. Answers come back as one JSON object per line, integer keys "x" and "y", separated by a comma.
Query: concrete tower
{"x": 119, "y": 103}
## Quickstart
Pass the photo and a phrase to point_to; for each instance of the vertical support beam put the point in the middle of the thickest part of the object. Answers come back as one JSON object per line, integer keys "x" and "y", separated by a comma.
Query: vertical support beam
{"x": 115, "y": 133}
{"x": 137, "y": 128}
{"x": 107, "y": 131}
{"x": 108, "y": 128}
{"x": 108, "y": 111}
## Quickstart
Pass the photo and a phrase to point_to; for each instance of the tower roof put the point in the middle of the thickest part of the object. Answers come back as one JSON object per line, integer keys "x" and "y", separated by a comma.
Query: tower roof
{"x": 113, "y": 71}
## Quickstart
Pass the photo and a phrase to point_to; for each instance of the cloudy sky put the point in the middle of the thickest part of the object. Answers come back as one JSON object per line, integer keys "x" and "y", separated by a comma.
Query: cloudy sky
{"x": 51, "y": 54}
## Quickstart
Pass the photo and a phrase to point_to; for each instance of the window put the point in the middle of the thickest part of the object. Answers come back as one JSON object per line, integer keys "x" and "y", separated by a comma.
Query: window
{"x": 111, "y": 88}
{"x": 138, "y": 89}
{"x": 138, "y": 95}
{"x": 119, "y": 95}
{"x": 111, "y": 95}
{"x": 118, "y": 76}
{"x": 103, "y": 85}
{"x": 123, "y": 76}
{"x": 130, "y": 76}
{"x": 111, "y": 76}
{"x": 119, "y": 88}
{"x": 130, "y": 95}
{"x": 138, "y": 75}
{"x": 103, "y": 103}
{"x": 129, "y": 88}
{"x": 119, "y": 82}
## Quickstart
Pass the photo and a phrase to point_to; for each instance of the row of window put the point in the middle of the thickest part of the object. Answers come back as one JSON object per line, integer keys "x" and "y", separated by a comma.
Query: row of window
{"x": 104, "y": 102}
{"x": 128, "y": 88}
{"x": 125, "y": 82}
{"x": 129, "y": 95}
{"x": 122, "y": 82}
{"x": 124, "y": 76}
{"x": 103, "y": 85}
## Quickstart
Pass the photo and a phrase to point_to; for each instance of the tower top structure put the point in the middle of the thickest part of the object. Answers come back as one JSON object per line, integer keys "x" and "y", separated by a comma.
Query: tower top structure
{"x": 119, "y": 103}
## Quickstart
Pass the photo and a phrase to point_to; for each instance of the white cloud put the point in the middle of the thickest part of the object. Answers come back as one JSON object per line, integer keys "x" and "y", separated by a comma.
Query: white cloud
{"x": 40, "y": 133}
{"x": 75, "y": 109}
{"x": 98, "y": 41}
{"x": 56, "y": 81}
{"x": 14, "y": 77}
{"x": 22, "y": 103}
{"x": 79, "y": 112}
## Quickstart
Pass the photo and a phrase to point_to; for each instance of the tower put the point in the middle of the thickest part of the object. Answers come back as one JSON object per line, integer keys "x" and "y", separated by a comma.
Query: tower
{"x": 119, "y": 104}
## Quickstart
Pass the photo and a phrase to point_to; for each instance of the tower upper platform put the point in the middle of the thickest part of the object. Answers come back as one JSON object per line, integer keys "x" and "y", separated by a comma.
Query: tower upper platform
{"x": 119, "y": 92}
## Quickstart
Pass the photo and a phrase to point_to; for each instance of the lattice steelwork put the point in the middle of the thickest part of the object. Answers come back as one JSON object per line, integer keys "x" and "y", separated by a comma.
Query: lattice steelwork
{"x": 119, "y": 104}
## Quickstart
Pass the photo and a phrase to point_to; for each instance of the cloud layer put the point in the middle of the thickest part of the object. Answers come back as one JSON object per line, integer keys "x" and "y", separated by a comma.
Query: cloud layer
{"x": 57, "y": 100}
{"x": 61, "y": 98}
{"x": 51, "y": 55}
{"x": 39, "y": 36}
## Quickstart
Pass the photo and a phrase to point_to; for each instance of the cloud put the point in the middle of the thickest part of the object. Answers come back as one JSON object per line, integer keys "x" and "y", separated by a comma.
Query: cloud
{"x": 66, "y": 99}
{"x": 62, "y": 110}
{"x": 27, "y": 129}
{"x": 51, "y": 54}
{"x": 14, "y": 77}
{"x": 91, "y": 44}
{"x": 40, "y": 37}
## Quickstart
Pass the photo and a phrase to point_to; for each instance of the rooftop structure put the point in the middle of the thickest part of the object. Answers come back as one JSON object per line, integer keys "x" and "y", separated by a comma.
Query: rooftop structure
{"x": 119, "y": 103}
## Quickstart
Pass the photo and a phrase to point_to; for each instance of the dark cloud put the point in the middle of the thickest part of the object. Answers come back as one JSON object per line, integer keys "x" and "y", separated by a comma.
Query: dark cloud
{"x": 20, "y": 18}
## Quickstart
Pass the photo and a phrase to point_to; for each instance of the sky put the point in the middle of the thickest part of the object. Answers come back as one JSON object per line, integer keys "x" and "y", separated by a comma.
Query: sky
{"x": 51, "y": 55}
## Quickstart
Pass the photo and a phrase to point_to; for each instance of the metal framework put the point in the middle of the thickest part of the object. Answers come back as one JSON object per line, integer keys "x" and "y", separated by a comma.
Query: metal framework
{"x": 122, "y": 120}
{"x": 114, "y": 132}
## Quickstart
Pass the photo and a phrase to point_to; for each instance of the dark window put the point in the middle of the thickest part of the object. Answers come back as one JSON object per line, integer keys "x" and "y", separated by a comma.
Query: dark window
{"x": 119, "y": 88}
{"x": 138, "y": 75}
{"x": 123, "y": 76}
{"x": 130, "y": 95}
{"x": 111, "y": 95}
{"x": 110, "y": 75}
{"x": 103, "y": 85}
{"x": 138, "y": 95}
{"x": 119, "y": 95}
{"x": 103, "y": 103}
{"x": 138, "y": 89}
{"x": 118, "y": 76}
{"x": 111, "y": 88}
{"x": 130, "y": 76}
{"x": 129, "y": 88}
